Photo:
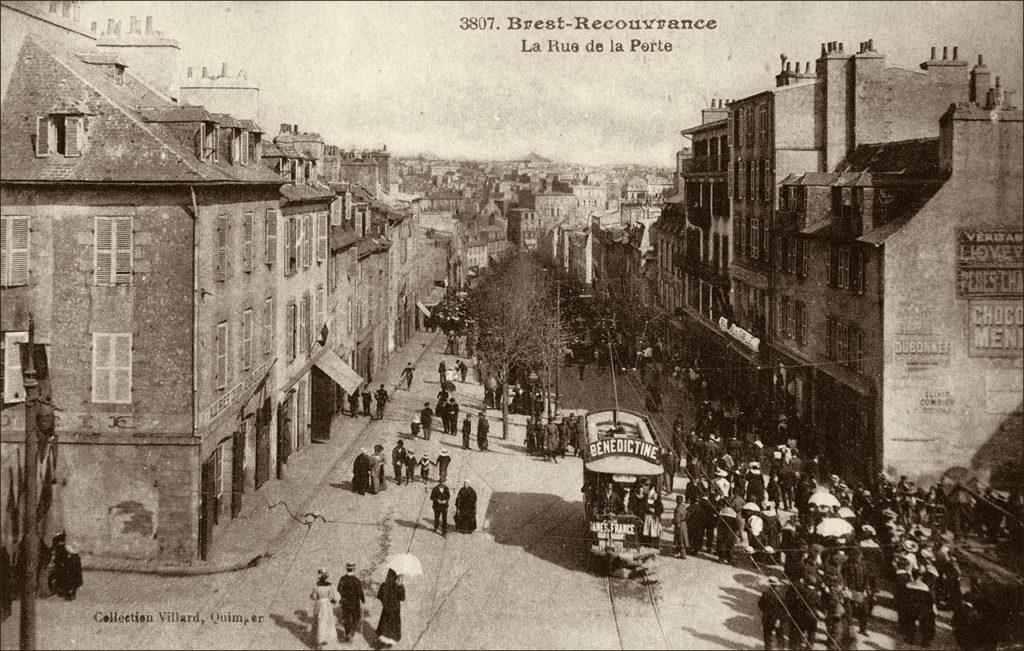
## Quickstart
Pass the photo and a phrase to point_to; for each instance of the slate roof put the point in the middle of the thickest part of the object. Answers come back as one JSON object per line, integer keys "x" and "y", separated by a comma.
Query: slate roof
{"x": 879, "y": 163}
{"x": 124, "y": 144}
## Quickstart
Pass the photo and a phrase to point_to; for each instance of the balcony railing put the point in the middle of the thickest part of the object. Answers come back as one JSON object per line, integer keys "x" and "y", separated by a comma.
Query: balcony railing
{"x": 716, "y": 163}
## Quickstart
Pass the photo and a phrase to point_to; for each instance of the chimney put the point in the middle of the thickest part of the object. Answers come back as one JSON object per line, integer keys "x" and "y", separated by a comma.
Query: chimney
{"x": 871, "y": 45}
{"x": 149, "y": 25}
{"x": 117, "y": 28}
{"x": 933, "y": 53}
{"x": 204, "y": 72}
{"x": 93, "y": 28}
{"x": 295, "y": 129}
{"x": 134, "y": 26}
{"x": 189, "y": 73}
{"x": 945, "y": 53}
{"x": 286, "y": 128}
{"x": 110, "y": 27}
{"x": 956, "y": 53}
{"x": 980, "y": 80}
{"x": 223, "y": 69}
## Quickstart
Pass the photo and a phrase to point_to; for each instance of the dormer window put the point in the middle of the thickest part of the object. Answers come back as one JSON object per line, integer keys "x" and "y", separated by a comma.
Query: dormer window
{"x": 60, "y": 134}
{"x": 244, "y": 148}
{"x": 207, "y": 142}
{"x": 235, "y": 146}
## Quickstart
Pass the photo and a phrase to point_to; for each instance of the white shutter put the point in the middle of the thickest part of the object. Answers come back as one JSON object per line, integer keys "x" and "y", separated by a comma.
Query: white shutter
{"x": 15, "y": 251}
{"x": 14, "y": 383}
{"x": 270, "y": 251}
{"x": 336, "y": 212}
{"x": 245, "y": 148}
{"x": 321, "y": 300}
{"x": 321, "y": 241}
{"x": 102, "y": 361}
{"x": 122, "y": 368}
{"x": 247, "y": 220}
{"x": 104, "y": 251}
{"x": 43, "y": 139}
{"x": 221, "y": 257}
{"x": 123, "y": 253}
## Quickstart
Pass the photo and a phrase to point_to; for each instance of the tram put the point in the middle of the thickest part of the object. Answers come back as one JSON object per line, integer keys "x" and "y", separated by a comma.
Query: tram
{"x": 621, "y": 464}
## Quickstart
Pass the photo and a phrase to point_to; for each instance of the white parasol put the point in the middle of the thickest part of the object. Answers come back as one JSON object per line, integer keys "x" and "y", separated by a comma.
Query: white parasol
{"x": 405, "y": 565}
{"x": 846, "y": 513}
{"x": 834, "y": 528}
{"x": 824, "y": 498}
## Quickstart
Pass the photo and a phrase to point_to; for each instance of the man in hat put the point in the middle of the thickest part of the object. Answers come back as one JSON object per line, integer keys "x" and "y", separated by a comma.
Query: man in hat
{"x": 361, "y": 472}
{"x": 773, "y": 614}
{"x": 382, "y": 399}
{"x": 367, "y": 400}
{"x": 440, "y": 497}
{"x": 680, "y": 534}
{"x": 442, "y": 373}
{"x": 67, "y": 571}
{"x": 407, "y": 375}
{"x": 353, "y": 404}
{"x": 467, "y": 431}
{"x": 453, "y": 416}
{"x": 352, "y": 599}
{"x": 398, "y": 454}
{"x": 669, "y": 464}
{"x": 755, "y": 483}
{"x": 426, "y": 418}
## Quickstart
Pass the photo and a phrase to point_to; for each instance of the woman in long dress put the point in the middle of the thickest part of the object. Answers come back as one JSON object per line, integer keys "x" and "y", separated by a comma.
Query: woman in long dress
{"x": 465, "y": 509}
{"x": 391, "y": 595}
{"x": 377, "y": 483}
{"x": 325, "y": 626}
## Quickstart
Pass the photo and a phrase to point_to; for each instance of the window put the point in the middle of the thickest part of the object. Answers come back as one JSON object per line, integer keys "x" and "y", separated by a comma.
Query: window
{"x": 270, "y": 234}
{"x": 216, "y": 144}
{"x": 843, "y": 273}
{"x": 784, "y": 310}
{"x": 725, "y": 253}
{"x": 247, "y": 225}
{"x": 801, "y": 323}
{"x": 245, "y": 148}
{"x": 218, "y": 476}
{"x": 736, "y": 180}
{"x": 842, "y": 342}
{"x": 321, "y": 238}
{"x": 112, "y": 367}
{"x": 336, "y": 212}
{"x": 113, "y": 250}
{"x": 750, "y": 126}
{"x": 348, "y": 315}
{"x": 768, "y": 180}
{"x": 830, "y": 337}
{"x": 857, "y": 264}
{"x": 856, "y": 347}
{"x": 246, "y": 340}
{"x": 321, "y": 307}
{"x": 308, "y": 235}
{"x": 222, "y": 259}
{"x": 14, "y": 383}
{"x": 14, "y": 243}
{"x": 790, "y": 251}
{"x": 802, "y": 257}
{"x": 268, "y": 327}
{"x": 220, "y": 354}
{"x": 758, "y": 179}
{"x": 755, "y": 234}
{"x": 749, "y": 184}
{"x": 291, "y": 329}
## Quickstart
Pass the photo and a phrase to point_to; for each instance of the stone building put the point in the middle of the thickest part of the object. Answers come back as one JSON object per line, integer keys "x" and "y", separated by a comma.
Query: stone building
{"x": 153, "y": 292}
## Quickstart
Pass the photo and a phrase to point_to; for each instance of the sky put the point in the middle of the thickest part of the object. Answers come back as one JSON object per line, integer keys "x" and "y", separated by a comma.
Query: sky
{"x": 405, "y": 75}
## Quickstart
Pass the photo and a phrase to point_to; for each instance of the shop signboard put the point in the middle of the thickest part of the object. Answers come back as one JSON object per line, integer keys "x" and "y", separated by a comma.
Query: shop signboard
{"x": 996, "y": 328}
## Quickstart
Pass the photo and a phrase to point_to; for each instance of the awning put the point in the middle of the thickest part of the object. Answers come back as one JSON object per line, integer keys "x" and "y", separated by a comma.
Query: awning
{"x": 339, "y": 371}
{"x": 435, "y": 296}
{"x": 423, "y": 308}
{"x": 676, "y": 198}
{"x": 314, "y": 355}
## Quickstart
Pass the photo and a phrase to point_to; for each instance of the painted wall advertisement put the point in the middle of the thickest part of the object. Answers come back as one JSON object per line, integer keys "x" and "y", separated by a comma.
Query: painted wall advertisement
{"x": 990, "y": 275}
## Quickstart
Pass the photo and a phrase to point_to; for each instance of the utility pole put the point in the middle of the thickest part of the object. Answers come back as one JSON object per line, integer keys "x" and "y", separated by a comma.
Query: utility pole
{"x": 29, "y": 536}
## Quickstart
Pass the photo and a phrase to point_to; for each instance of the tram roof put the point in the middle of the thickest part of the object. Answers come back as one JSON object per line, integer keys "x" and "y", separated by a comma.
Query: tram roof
{"x": 621, "y": 445}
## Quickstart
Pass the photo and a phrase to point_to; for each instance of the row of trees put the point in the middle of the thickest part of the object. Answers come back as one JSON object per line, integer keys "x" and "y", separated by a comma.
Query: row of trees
{"x": 517, "y": 323}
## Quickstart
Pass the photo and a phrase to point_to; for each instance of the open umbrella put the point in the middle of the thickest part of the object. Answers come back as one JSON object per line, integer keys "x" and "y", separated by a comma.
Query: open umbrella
{"x": 448, "y": 386}
{"x": 824, "y": 498}
{"x": 834, "y": 528}
{"x": 727, "y": 512}
{"x": 750, "y": 506}
{"x": 846, "y": 513}
{"x": 406, "y": 565}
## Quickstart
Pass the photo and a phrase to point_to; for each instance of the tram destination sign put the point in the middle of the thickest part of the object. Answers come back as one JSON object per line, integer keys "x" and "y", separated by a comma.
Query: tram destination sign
{"x": 623, "y": 446}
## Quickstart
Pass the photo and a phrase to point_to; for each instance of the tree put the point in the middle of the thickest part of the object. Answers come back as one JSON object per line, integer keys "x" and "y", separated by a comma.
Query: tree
{"x": 513, "y": 315}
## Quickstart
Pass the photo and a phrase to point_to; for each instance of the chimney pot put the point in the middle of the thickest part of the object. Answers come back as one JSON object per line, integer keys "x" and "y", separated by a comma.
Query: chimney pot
{"x": 149, "y": 25}
{"x": 807, "y": 67}
{"x": 999, "y": 82}
{"x": 945, "y": 52}
{"x": 204, "y": 72}
{"x": 956, "y": 53}
{"x": 933, "y": 54}
{"x": 117, "y": 28}
{"x": 93, "y": 28}
{"x": 981, "y": 60}
{"x": 822, "y": 49}
{"x": 135, "y": 25}
{"x": 110, "y": 26}
{"x": 871, "y": 45}
{"x": 295, "y": 129}
{"x": 788, "y": 66}
{"x": 840, "y": 47}
{"x": 223, "y": 69}
{"x": 286, "y": 128}
{"x": 189, "y": 73}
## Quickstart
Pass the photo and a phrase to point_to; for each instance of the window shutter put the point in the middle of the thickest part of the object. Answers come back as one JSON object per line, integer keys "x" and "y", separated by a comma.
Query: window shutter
{"x": 321, "y": 307}
{"x": 5, "y": 254}
{"x": 201, "y": 141}
{"x": 309, "y": 238}
{"x": 43, "y": 140}
{"x": 246, "y": 339}
{"x": 832, "y": 266}
{"x": 247, "y": 220}
{"x": 104, "y": 251}
{"x": 245, "y": 148}
{"x": 221, "y": 258}
{"x": 270, "y": 253}
{"x": 220, "y": 338}
{"x": 122, "y": 368}
{"x": 15, "y": 247}
{"x": 102, "y": 361}
{"x": 123, "y": 243}
{"x": 73, "y": 136}
{"x": 14, "y": 386}
{"x": 321, "y": 250}
{"x": 290, "y": 330}
{"x": 268, "y": 327}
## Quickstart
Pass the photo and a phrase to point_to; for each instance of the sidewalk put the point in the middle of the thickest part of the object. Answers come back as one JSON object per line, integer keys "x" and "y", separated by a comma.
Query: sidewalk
{"x": 259, "y": 529}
